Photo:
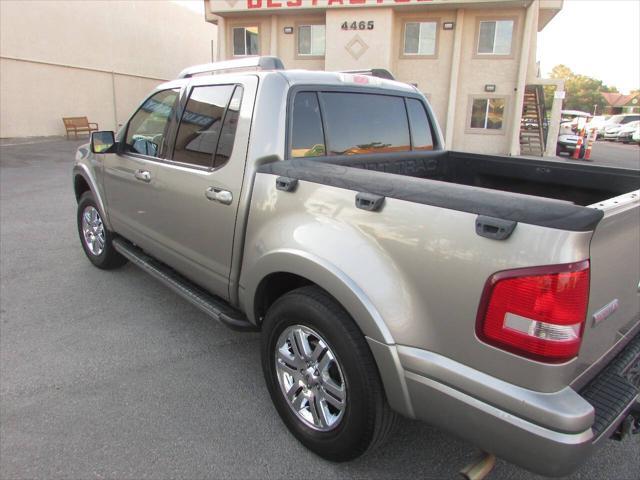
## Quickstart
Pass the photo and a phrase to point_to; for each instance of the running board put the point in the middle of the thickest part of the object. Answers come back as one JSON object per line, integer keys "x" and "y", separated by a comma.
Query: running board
{"x": 213, "y": 306}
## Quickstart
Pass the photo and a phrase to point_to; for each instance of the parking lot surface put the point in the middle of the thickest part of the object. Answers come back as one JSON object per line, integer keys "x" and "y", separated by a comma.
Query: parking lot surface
{"x": 111, "y": 375}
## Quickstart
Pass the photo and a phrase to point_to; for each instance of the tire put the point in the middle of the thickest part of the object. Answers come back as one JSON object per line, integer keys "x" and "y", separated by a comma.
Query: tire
{"x": 100, "y": 252}
{"x": 365, "y": 419}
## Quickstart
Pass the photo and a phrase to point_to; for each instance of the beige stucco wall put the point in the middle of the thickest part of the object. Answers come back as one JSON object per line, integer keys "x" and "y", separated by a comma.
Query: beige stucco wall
{"x": 93, "y": 58}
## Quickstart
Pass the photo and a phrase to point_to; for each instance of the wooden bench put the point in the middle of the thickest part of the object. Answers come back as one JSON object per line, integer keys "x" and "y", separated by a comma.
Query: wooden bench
{"x": 78, "y": 124}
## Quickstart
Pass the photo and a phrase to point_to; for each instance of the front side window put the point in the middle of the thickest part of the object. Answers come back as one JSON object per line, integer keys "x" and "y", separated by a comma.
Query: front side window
{"x": 246, "y": 41}
{"x": 359, "y": 123}
{"x": 494, "y": 37}
{"x": 147, "y": 129}
{"x": 311, "y": 40}
{"x": 420, "y": 38}
{"x": 487, "y": 113}
{"x": 200, "y": 125}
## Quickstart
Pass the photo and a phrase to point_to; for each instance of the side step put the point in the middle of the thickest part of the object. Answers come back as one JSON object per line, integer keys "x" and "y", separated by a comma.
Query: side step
{"x": 213, "y": 306}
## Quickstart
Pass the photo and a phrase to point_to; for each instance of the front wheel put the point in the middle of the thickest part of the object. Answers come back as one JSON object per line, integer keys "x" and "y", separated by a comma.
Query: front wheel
{"x": 94, "y": 236}
{"x": 322, "y": 377}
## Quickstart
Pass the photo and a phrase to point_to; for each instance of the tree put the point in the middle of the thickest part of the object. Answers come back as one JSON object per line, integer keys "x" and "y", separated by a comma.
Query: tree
{"x": 582, "y": 92}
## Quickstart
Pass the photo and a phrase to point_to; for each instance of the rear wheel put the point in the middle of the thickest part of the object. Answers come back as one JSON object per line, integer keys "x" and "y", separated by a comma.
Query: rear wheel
{"x": 322, "y": 377}
{"x": 95, "y": 238}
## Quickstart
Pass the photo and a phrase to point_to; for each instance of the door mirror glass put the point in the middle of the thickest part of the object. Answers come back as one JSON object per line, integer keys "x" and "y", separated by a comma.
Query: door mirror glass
{"x": 102, "y": 142}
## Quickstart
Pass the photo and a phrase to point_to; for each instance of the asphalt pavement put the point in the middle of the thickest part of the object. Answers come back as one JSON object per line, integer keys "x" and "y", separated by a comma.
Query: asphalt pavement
{"x": 612, "y": 154}
{"x": 111, "y": 375}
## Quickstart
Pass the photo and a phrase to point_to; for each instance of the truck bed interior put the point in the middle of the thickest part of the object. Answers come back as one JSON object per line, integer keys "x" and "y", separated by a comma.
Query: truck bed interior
{"x": 580, "y": 183}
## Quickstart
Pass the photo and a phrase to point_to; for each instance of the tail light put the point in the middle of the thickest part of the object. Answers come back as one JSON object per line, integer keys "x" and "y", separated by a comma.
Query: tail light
{"x": 536, "y": 312}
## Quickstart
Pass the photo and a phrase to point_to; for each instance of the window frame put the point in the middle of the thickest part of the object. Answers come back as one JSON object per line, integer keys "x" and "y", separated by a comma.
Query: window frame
{"x": 515, "y": 40}
{"x": 488, "y": 131}
{"x": 319, "y": 89}
{"x": 244, "y": 26}
{"x": 188, "y": 92}
{"x": 170, "y": 130}
{"x": 304, "y": 56}
{"x": 414, "y": 56}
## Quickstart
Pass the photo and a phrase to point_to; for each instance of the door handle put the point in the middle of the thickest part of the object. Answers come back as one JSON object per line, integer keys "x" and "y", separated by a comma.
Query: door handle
{"x": 143, "y": 176}
{"x": 218, "y": 195}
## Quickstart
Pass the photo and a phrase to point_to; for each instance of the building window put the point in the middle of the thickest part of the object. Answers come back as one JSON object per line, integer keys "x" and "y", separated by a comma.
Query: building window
{"x": 488, "y": 113}
{"x": 420, "y": 38}
{"x": 311, "y": 40}
{"x": 246, "y": 41}
{"x": 494, "y": 37}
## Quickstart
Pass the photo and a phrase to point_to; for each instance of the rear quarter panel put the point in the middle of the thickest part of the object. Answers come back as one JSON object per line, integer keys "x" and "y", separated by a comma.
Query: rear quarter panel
{"x": 419, "y": 270}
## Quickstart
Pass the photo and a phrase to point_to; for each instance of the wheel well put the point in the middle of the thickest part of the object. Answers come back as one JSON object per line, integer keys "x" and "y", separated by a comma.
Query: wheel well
{"x": 272, "y": 287}
{"x": 80, "y": 186}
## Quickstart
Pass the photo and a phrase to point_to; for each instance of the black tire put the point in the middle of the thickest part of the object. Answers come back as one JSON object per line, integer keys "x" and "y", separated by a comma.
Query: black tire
{"x": 367, "y": 419}
{"x": 109, "y": 258}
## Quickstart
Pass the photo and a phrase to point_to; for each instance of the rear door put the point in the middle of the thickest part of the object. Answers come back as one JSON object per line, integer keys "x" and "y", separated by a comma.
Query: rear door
{"x": 130, "y": 176}
{"x": 199, "y": 183}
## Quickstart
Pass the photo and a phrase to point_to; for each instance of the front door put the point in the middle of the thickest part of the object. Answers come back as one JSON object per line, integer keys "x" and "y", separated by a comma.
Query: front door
{"x": 200, "y": 182}
{"x": 130, "y": 176}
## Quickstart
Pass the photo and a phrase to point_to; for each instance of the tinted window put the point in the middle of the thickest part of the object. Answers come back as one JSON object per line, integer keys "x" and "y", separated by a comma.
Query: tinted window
{"x": 307, "y": 139}
{"x": 487, "y": 113}
{"x": 228, "y": 135}
{"x": 495, "y": 37}
{"x": 147, "y": 129}
{"x": 420, "y": 126}
{"x": 365, "y": 123}
{"x": 246, "y": 41}
{"x": 630, "y": 118}
{"x": 200, "y": 124}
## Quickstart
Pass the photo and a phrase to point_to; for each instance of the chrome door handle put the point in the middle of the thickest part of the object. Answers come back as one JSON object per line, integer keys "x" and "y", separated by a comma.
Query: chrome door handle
{"x": 218, "y": 195}
{"x": 143, "y": 176}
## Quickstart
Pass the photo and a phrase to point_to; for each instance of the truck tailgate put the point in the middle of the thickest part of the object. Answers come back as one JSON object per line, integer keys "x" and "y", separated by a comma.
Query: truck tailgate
{"x": 614, "y": 301}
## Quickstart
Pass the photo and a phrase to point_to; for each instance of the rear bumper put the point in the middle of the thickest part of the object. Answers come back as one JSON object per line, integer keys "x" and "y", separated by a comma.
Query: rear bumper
{"x": 547, "y": 433}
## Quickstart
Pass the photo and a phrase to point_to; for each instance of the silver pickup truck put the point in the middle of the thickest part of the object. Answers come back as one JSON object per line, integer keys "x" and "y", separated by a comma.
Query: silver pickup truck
{"x": 494, "y": 297}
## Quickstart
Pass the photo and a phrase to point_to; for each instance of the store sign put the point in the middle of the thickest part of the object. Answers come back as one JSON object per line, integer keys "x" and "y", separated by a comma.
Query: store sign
{"x": 224, "y": 6}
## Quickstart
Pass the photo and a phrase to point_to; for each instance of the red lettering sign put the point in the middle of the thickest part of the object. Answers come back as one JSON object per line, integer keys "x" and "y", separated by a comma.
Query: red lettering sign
{"x": 357, "y": 2}
{"x": 273, "y": 4}
{"x": 254, "y": 3}
{"x": 331, "y": 2}
{"x": 294, "y": 3}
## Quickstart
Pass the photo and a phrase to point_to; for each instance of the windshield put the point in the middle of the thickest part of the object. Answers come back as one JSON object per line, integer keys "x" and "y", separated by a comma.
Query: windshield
{"x": 616, "y": 119}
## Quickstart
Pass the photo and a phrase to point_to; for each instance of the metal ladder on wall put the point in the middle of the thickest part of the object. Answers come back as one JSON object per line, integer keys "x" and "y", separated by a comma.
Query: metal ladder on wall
{"x": 532, "y": 138}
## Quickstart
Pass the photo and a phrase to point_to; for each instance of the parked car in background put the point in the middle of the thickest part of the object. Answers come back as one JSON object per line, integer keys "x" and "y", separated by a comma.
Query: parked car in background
{"x": 567, "y": 144}
{"x": 613, "y": 125}
{"x": 598, "y": 122}
{"x": 625, "y": 135}
{"x": 636, "y": 136}
{"x": 572, "y": 121}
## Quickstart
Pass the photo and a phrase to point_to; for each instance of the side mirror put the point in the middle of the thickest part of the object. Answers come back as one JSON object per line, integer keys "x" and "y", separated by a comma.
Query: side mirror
{"x": 103, "y": 142}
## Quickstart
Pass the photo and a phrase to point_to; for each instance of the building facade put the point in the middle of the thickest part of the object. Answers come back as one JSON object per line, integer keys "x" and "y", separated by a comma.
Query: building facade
{"x": 92, "y": 58}
{"x": 618, "y": 103}
{"x": 475, "y": 60}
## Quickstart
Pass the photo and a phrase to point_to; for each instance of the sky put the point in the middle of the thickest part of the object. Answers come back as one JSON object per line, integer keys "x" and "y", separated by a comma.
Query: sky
{"x": 597, "y": 38}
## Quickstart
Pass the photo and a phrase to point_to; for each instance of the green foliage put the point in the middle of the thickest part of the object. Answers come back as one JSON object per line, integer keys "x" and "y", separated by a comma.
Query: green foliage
{"x": 582, "y": 92}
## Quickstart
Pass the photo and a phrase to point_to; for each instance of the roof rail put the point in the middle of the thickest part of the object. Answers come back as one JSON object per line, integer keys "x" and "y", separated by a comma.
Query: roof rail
{"x": 258, "y": 63}
{"x": 372, "y": 72}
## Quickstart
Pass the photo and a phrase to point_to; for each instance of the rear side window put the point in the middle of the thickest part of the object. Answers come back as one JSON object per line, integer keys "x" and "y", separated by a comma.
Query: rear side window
{"x": 229, "y": 125}
{"x": 420, "y": 127}
{"x": 359, "y": 123}
{"x": 200, "y": 125}
{"x": 307, "y": 139}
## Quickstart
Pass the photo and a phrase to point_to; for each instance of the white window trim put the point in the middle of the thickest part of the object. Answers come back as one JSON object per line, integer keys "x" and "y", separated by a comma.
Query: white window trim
{"x": 418, "y": 54}
{"x": 312, "y": 55}
{"x": 233, "y": 45}
{"x": 495, "y": 33}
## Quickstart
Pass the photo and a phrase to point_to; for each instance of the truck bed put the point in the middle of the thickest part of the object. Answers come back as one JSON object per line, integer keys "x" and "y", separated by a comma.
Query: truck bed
{"x": 550, "y": 193}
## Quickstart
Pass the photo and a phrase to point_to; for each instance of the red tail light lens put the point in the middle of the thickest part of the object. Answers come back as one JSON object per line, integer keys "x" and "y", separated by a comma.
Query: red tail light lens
{"x": 536, "y": 312}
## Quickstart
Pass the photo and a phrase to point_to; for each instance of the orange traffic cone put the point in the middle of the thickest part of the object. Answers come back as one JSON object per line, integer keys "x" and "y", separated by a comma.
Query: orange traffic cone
{"x": 576, "y": 152}
{"x": 592, "y": 135}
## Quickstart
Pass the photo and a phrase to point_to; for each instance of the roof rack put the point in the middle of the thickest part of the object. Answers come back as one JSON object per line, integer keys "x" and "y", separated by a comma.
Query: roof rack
{"x": 372, "y": 72}
{"x": 258, "y": 63}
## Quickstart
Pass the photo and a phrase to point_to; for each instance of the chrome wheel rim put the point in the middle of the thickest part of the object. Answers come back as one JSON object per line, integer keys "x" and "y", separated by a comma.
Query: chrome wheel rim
{"x": 93, "y": 230}
{"x": 310, "y": 378}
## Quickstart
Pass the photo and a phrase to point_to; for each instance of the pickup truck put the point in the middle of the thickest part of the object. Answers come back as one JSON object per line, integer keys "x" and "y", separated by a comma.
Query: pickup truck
{"x": 494, "y": 297}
